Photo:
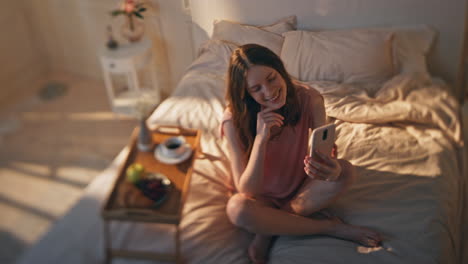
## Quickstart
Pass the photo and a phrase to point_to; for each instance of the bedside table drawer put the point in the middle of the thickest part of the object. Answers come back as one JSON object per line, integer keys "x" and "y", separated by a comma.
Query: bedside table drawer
{"x": 117, "y": 65}
{"x": 123, "y": 65}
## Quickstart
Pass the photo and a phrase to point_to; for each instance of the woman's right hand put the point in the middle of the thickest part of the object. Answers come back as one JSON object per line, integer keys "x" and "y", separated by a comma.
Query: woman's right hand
{"x": 266, "y": 119}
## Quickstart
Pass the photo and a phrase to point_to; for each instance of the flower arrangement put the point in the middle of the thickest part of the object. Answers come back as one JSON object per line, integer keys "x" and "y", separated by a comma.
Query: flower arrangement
{"x": 130, "y": 9}
{"x": 143, "y": 106}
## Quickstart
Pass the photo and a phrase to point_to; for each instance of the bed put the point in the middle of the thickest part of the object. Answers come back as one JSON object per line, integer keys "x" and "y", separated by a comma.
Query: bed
{"x": 398, "y": 124}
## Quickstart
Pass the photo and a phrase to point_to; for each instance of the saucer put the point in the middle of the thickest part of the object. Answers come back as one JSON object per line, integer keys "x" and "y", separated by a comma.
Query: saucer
{"x": 172, "y": 160}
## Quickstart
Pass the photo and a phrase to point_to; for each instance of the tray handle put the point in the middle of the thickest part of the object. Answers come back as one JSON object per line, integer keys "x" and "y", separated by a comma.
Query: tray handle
{"x": 170, "y": 129}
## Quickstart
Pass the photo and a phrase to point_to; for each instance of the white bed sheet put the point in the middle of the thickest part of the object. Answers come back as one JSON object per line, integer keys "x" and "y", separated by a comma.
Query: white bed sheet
{"x": 409, "y": 188}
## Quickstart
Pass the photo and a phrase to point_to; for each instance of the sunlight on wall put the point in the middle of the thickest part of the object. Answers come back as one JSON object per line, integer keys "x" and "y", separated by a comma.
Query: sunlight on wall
{"x": 322, "y": 7}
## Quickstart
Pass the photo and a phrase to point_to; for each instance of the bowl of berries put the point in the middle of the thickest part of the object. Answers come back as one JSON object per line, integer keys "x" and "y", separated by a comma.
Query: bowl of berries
{"x": 154, "y": 186}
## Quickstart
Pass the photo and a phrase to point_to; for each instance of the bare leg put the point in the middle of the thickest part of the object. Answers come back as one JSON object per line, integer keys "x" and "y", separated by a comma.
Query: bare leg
{"x": 258, "y": 218}
{"x": 266, "y": 221}
{"x": 259, "y": 248}
{"x": 315, "y": 195}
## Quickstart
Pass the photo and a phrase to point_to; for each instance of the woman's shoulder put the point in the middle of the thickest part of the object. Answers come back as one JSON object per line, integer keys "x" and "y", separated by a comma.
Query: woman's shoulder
{"x": 307, "y": 92}
{"x": 227, "y": 114}
{"x": 313, "y": 105}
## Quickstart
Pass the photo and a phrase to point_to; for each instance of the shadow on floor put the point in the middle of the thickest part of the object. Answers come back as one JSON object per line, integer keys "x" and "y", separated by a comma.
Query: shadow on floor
{"x": 10, "y": 243}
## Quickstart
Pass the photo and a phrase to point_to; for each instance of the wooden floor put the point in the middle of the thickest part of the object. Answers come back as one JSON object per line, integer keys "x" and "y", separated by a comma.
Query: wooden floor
{"x": 49, "y": 152}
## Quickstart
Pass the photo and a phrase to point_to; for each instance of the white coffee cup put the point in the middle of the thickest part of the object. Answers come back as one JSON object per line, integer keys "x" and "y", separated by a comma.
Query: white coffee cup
{"x": 173, "y": 147}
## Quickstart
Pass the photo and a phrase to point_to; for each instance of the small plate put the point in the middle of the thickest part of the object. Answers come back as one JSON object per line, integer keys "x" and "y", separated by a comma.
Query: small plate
{"x": 169, "y": 160}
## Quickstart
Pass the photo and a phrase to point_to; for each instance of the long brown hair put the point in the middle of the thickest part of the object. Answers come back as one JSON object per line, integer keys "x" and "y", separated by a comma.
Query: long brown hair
{"x": 243, "y": 107}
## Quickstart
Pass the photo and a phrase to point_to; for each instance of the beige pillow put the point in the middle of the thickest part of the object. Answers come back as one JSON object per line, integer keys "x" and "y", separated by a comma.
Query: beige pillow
{"x": 349, "y": 56}
{"x": 281, "y": 26}
{"x": 411, "y": 45}
{"x": 268, "y": 36}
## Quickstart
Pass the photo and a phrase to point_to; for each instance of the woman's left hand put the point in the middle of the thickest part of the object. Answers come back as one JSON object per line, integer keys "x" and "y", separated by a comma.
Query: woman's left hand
{"x": 322, "y": 167}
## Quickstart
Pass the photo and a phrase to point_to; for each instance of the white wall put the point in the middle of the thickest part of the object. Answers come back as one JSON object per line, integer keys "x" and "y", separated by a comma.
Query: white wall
{"x": 21, "y": 54}
{"x": 176, "y": 31}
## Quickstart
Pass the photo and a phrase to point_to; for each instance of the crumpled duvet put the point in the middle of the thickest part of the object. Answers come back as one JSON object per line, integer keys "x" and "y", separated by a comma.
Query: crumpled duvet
{"x": 406, "y": 98}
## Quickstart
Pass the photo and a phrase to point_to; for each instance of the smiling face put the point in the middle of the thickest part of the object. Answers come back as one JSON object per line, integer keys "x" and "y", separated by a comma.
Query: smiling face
{"x": 266, "y": 86}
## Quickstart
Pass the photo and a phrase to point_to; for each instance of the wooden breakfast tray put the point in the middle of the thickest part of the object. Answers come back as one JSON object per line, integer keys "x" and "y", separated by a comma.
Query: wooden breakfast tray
{"x": 170, "y": 210}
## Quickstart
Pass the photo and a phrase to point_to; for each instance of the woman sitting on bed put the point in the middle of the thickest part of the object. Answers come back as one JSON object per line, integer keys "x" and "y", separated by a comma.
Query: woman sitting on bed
{"x": 278, "y": 185}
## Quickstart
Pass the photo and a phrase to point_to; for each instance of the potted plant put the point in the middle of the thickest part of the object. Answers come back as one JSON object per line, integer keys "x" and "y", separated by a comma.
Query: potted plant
{"x": 132, "y": 29}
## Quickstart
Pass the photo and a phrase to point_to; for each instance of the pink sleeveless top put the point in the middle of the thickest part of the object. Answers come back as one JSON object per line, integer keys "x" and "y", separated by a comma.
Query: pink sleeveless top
{"x": 284, "y": 166}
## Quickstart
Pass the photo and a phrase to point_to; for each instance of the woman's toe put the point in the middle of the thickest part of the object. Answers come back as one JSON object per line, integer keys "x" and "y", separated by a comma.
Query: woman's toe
{"x": 372, "y": 241}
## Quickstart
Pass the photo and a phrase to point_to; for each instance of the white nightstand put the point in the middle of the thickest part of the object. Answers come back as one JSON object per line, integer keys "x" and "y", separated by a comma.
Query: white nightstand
{"x": 131, "y": 61}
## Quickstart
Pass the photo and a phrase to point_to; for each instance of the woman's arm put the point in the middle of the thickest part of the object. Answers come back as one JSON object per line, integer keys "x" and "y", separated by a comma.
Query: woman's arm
{"x": 318, "y": 110}
{"x": 323, "y": 168}
{"x": 248, "y": 176}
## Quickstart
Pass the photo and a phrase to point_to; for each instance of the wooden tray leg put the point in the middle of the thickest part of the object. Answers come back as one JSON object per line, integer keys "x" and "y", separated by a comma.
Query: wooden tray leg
{"x": 177, "y": 245}
{"x": 107, "y": 243}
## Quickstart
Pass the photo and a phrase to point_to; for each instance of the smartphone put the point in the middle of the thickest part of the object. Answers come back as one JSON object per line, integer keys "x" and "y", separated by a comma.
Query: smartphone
{"x": 322, "y": 139}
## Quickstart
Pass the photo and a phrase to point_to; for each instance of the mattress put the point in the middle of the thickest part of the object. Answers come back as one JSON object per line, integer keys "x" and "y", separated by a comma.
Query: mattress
{"x": 405, "y": 141}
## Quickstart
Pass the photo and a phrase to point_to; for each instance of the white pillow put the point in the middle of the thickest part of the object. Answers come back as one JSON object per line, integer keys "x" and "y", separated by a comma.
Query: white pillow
{"x": 268, "y": 36}
{"x": 343, "y": 55}
{"x": 410, "y": 46}
{"x": 281, "y": 26}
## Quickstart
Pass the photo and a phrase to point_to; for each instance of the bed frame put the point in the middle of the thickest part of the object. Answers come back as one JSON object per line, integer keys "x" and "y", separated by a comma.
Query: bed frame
{"x": 446, "y": 17}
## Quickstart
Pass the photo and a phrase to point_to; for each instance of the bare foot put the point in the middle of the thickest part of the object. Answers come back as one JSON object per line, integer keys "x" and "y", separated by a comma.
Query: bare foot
{"x": 259, "y": 249}
{"x": 358, "y": 234}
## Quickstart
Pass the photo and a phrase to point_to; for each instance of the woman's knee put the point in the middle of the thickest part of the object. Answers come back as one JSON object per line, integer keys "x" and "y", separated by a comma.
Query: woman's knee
{"x": 238, "y": 210}
{"x": 318, "y": 196}
{"x": 301, "y": 207}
